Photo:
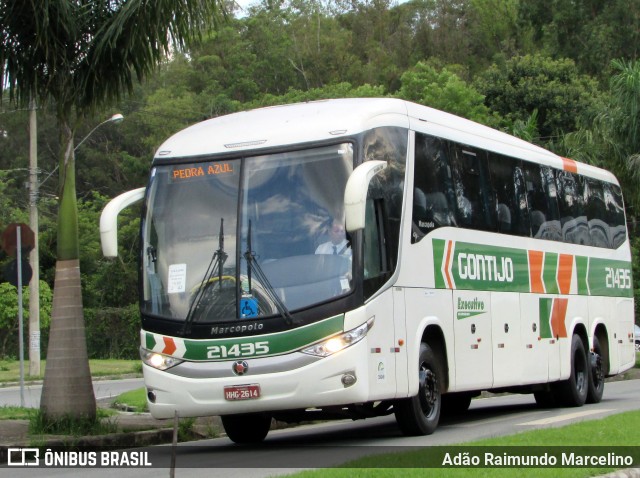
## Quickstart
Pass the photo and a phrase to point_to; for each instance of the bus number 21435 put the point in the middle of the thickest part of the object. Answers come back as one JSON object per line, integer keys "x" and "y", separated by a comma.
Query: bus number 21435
{"x": 618, "y": 278}
{"x": 247, "y": 349}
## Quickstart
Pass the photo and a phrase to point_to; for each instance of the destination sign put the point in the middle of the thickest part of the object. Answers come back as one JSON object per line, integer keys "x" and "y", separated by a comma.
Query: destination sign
{"x": 190, "y": 172}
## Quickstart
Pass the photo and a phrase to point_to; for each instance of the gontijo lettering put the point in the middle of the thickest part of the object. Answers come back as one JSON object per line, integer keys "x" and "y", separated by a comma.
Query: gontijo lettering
{"x": 485, "y": 268}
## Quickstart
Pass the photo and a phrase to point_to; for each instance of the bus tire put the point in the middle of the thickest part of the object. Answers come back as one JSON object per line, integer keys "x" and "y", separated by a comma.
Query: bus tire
{"x": 419, "y": 415}
{"x": 545, "y": 398}
{"x": 455, "y": 403}
{"x": 573, "y": 391}
{"x": 596, "y": 373}
{"x": 246, "y": 428}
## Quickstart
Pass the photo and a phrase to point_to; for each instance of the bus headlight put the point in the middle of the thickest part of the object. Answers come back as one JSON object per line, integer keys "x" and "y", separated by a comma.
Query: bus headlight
{"x": 159, "y": 361}
{"x": 339, "y": 342}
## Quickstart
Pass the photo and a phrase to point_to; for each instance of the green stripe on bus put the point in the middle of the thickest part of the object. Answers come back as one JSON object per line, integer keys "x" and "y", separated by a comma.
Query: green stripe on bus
{"x": 438, "y": 260}
{"x": 550, "y": 273}
{"x": 610, "y": 278}
{"x": 582, "y": 266}
{"x": 545, "y": 318}
{"x": 493, "y": 268}
{"x": 256, "y": 345}
{"x": 150, "y": 341}
{"x": 490, "y": 268}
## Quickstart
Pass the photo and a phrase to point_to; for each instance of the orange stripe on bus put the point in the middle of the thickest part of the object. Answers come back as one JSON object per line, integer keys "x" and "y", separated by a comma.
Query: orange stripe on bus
{"x": 565, "y": 271}
{"x": 446, "y": 265}
{"x": 536, "y": 259}
{"x": 558, "y": 315}
{"x": 569, "y": 165}
{"x": 169, "y": 345}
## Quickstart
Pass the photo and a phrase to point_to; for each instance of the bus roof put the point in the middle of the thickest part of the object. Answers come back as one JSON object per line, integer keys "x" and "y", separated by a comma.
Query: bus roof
{"x": 281, "y": 126}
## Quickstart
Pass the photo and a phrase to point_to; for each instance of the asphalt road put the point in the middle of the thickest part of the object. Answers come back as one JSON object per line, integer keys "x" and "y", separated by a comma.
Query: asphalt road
{"x": 332, "y": 443}
{"x": 103, "y": 389}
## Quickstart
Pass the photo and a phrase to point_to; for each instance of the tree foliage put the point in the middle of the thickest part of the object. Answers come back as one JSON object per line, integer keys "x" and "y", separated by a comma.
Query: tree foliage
{"x": 554, "y": 88}
{"x": 443, "y": 89}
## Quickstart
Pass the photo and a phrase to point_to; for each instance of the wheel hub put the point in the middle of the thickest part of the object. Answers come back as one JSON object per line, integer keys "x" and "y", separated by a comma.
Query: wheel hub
{"x": 428, "y": 389}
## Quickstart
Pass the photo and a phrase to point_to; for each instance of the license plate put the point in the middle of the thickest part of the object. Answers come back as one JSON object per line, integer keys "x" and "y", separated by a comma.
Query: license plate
{"x": 242, "y": 392}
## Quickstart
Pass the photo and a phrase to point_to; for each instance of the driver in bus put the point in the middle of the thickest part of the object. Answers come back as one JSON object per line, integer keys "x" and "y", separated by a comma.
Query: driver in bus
{"x": 337, "y": 243}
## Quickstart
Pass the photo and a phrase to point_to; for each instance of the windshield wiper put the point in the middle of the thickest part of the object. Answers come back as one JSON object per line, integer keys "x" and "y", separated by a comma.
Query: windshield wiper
{"x": 252, "y": 264}
{"x": 215, "y": 268}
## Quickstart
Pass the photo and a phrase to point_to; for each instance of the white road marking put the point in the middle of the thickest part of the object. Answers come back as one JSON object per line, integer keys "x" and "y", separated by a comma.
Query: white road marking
{"x": 562, "y": 418}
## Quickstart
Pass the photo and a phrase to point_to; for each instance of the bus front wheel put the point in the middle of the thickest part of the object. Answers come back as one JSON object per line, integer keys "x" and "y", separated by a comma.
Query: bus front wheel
{"x": 419, "y": 415}
{"x": 246, "y": 428}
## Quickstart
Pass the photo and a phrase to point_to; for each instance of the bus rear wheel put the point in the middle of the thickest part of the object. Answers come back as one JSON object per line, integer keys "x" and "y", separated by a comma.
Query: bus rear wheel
{"x": 246, "y": 428}
{"x": 596, "y": 373}
{"x": 419, "y": 415}
{"x": 573, "y": 392}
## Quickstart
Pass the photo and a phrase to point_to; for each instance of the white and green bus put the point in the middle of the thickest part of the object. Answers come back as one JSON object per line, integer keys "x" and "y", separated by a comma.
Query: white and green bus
{"x": 465, "y": 260}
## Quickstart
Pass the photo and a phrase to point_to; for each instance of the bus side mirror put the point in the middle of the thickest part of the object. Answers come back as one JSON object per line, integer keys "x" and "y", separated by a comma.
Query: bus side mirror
{"x": 109, "y": 220}
{"x": 355, "y": 193}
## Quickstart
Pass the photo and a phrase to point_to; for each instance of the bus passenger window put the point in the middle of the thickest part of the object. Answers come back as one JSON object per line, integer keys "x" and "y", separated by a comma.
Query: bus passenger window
{"x": 541, "y": 202}
{"x": 596, "y": 214}
{"x": 615, "y": 215}
{"x": 571, "y": 203}
{"x": 475, "y": 201}
{"x": 433, "y": 193}
{"x": 508, "y": 183}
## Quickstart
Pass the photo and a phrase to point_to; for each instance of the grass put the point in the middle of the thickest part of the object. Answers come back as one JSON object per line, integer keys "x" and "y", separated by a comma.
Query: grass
{"x": 72, "y": 426}
{"x": 15, "y": 413}
{"x": 617, "y": 430}
{"x": 10, "y": 369}
{"x": 134, "y": 400}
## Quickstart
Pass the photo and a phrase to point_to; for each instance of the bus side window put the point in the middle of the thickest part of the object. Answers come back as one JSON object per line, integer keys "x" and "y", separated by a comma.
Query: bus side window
{"x": 541, "y": 202}
{"x": 508, "y": 184}
{"x": 596, "y": 214}
{"x": 615, "y": 215}
{"x": 433, "y": 194}
{"x": 474, "y": 195}
{"x": 376, "y": 259}
{"x": 571, "y": 203}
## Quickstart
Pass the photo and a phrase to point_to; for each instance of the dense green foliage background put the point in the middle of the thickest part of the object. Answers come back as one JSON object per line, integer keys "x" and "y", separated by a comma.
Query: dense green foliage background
{"x": 560, "y": 73}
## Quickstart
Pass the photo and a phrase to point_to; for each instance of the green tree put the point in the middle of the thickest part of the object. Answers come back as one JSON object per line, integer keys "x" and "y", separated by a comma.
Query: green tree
{"x": 555, "y": 88}
{"x": 83, "y": 55}
{"x": 9, "y": 314}
{"x": 610, "y": 138}
{"x": 590, "y": 32}
{"x": 443, "y": 89}
{"x": 494, "y": 29}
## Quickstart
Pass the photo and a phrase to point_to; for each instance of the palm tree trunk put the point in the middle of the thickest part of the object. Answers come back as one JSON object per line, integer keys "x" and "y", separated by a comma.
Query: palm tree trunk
{"x": 67, "y": 389}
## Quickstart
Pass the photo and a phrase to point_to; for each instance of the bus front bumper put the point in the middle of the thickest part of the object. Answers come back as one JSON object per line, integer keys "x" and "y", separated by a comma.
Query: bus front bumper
{"x": 327, "y": 381}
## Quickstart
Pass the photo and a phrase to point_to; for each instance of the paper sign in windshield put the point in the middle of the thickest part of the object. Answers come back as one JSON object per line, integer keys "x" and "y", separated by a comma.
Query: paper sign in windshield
{"x": 177, "y": 282}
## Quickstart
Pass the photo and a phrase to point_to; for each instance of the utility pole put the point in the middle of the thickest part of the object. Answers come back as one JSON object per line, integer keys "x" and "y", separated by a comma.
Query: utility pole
{"x": 34, "y": 256}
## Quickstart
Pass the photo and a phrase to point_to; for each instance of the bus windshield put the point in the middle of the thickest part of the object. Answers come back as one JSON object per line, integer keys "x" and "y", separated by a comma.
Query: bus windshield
{"x": 249, "y": 237}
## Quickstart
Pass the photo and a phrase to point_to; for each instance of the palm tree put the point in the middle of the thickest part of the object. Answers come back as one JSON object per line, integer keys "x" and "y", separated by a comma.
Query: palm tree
{"x": 612, "y": 139}
{"x": 625, "y": 88}
{"x": 81, "y": 55}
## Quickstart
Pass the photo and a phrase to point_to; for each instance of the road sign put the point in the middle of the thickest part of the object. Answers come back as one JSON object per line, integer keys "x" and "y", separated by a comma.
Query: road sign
{"x": 11, "y": 272}
{"x": 10, "y": 239}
